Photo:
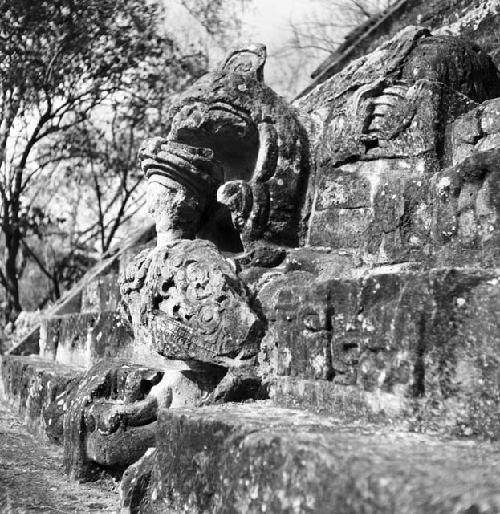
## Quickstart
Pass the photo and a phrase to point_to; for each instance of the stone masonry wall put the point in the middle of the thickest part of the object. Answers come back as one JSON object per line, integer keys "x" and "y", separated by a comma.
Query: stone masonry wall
{"x": 476, "y": 20}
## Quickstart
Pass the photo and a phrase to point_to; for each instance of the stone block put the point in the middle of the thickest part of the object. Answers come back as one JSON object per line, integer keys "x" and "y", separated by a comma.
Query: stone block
{"x": 340, "y": 228}
{"x": 489, "y": 142}
{"x": 297, "y": 342}
{"x": 345, "y": 187}
{"x": 140, "y": 484}
{"x": 467, "y": 129}
{"x": 322, "y": 262}
{"x": 259, "y": 458}
{"x": 37, "y": 390}
{"x": 83, "y": 339}
{"x": 345, "y": 402}
{"x": 386, "y": 218}
{"x": 401, "y": 339}
{"x": 461, "y": 152}
{"x": 490, "y": 119}
{"x": 466, "y": 212}
{"x": 413, "y": 338}
{"x": 101, "y": 294}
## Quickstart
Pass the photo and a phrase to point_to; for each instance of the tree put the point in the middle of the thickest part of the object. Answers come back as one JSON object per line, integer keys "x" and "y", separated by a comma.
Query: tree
{"x": 318, "y": 35}
{"x": 59, "y": 60}
{"x": 98, "y": 180}
{"x": 220, "y": 19}
{"x": 328, "y": 23}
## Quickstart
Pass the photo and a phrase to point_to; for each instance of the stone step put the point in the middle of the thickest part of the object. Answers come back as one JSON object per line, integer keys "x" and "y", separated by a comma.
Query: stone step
{"x": 97, "y": 290}
{"x": 102, "y": 293}
{"x": 36, "y": 389}
{"x": 41, "y": 391}
{"x": 83, "y": 339}
{"x": 390, "y": 341}
{"x": 256, "y": 457}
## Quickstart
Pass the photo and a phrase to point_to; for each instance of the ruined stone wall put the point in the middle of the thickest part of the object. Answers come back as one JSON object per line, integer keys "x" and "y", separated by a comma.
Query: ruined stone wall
{"x": 386, "y": 128}
{"x": 476, "y": 20}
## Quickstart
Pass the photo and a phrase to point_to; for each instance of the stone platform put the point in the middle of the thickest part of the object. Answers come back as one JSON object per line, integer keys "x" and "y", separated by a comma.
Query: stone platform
{"x": 36, "y": 389}
{"x": 256, "y": 457}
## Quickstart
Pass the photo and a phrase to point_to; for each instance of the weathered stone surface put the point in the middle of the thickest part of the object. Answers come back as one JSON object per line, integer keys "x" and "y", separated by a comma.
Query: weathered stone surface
{"x": 253, "y": 458}
{"x": 37, "y": 390}
{"x": 348, "y": 403}
{"x": 401, "y": 326}
{"x": 298, "y": 313}
{"x": 393, "y": 343}
{"x": 102, "y": 294}
{"x": 110, "y": 419}
{"x": 139, "y": 485}
{"x": 466, "y": 207}
{"x": 85, "y": 338}
{"x": 473, "y": 20}
{"x": 238, "y": 385}
{"x": 258, "y": 140}
{"x": 389, "y": 170}
{"x": 107, "y": 417}
{"x": 384, "y": 134}
{"x": 116, "y": 451}
{"x": 192, "y": 304}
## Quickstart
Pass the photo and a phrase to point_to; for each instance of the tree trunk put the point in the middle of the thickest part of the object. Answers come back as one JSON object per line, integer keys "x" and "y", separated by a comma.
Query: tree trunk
{"x": 13, "y": 307}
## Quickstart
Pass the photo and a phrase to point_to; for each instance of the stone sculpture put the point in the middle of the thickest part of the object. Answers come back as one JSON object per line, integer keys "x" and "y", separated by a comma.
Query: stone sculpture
{"x": 259, "y": 142}
{"x": 356, "y": 171}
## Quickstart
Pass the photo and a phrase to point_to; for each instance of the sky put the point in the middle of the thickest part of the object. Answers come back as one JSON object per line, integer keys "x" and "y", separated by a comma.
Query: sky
{"x": 269, "y": 22}
{"x": 264, "y": 21}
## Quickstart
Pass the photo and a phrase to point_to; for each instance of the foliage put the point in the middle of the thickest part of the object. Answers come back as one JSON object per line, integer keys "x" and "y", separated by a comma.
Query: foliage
{"x": 316, "y": 36}
{"x": 60, "y": 62}
{"x": 325, "y": 27}
{"x": 220, "y": 19}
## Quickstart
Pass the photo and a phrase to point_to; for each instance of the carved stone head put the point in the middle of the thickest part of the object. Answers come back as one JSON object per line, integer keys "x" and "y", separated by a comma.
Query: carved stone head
{"x": 238, "y": 126}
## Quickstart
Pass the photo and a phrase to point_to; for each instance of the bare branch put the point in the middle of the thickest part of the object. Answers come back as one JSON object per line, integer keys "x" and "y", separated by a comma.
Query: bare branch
{"x": 39, "y": 263}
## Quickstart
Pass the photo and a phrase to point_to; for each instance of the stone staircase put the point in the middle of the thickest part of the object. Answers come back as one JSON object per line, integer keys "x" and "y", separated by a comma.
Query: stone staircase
{"x": 257, "y": 457}
{"x": 96, "y": 293}
{"x": 350, "y": 445}
{"x": 81, "y": 329}
{"x": 360, "y": 372}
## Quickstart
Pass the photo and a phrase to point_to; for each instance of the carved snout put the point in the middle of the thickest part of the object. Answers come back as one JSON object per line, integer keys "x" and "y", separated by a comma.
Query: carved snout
{"x": 238, "y": 198}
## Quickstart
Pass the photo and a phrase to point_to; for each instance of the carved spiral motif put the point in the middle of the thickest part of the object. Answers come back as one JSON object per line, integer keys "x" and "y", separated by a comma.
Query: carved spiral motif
{"x": 135, "y": 273}
{"x": 192, "y": 283}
